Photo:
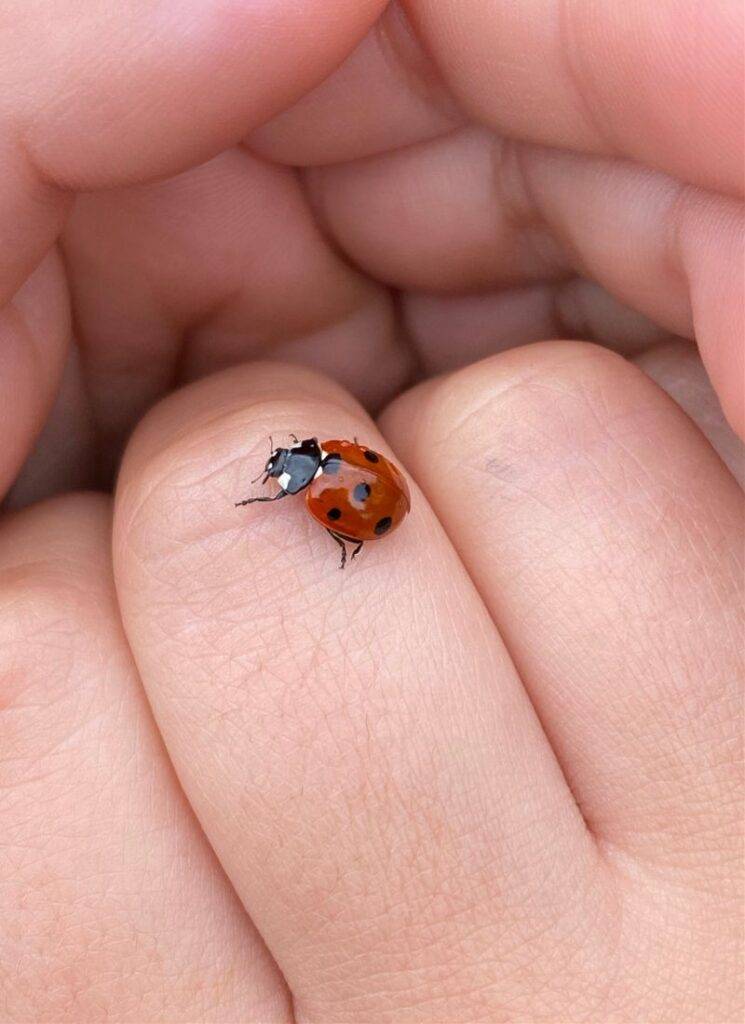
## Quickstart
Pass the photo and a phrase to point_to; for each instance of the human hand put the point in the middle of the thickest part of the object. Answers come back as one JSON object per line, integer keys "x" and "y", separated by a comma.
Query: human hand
{"x": 492, "y": 771}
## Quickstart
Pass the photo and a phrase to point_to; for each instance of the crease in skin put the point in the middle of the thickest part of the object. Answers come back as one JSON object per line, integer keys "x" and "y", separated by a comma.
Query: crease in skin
{"x": 386, "y": 94}
{"x": 522, "y": 209}
{"x": 408, "y": 56}
{"x": 33, "y": 210}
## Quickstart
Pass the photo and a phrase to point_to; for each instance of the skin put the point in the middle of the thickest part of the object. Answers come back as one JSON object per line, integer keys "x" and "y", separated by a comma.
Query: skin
{"x": 493, "y": 771}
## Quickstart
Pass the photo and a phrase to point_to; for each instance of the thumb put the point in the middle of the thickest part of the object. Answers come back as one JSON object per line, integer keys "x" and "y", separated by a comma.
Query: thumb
{"x": 109, "y": 93}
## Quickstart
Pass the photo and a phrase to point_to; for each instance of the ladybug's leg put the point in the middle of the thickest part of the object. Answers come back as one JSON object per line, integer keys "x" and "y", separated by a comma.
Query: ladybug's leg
{"x": 262, "y": 497}
{"x": 357, "y": 550}
{"x": 342, "y": 545}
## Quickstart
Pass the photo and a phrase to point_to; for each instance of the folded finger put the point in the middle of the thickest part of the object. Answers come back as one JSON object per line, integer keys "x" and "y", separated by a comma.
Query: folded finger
{"x": 523, "y": 214}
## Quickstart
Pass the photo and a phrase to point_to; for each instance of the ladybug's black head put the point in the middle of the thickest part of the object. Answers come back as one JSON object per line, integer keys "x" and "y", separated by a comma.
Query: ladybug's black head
{"x": 276, "y": 463}
{"x": 295, "y": 467}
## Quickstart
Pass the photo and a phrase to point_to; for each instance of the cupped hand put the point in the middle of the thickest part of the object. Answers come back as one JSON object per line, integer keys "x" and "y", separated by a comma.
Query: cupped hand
{"x": 491, "y": 771}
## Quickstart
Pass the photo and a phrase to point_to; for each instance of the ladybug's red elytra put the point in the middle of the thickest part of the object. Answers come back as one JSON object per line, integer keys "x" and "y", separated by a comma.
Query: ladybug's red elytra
{"x": 355, "y": 493}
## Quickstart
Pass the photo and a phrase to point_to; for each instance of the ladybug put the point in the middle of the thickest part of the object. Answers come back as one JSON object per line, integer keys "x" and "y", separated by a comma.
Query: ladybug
{"x": 355, "y": 493}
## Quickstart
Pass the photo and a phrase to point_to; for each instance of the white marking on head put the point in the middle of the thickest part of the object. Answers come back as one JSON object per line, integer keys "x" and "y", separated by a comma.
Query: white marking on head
{"x": 324, "y": 456}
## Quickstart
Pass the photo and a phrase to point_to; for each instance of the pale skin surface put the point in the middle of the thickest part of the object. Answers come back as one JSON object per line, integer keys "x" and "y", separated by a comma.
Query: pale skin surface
{"x": 493, "y": 771}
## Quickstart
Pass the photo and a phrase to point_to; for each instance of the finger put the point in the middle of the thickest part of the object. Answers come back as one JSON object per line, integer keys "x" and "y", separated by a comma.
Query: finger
{"x": 372, "y": 776}
{"x": 395, "y": 215}
{"x": 621, "y": 77}
{"x": 34, "y": 339}
{"x": 218, "y": 265}
{"x": 525, "y": 214}
{"x": 111, "y": 901}
{"x": 613, "y": 569}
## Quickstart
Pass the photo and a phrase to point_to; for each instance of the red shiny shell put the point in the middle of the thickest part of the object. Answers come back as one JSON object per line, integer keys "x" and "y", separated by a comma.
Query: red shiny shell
{"x": 362, "y": 496}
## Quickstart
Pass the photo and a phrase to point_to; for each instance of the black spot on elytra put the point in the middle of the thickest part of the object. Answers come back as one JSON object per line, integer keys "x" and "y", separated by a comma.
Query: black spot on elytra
{"x": 383, "y": 525}
{"x": 332, "y": 464}
{"x": 361, "y": 492}
{"x": 371, "y": 456}
{"x": 334, "y": 514}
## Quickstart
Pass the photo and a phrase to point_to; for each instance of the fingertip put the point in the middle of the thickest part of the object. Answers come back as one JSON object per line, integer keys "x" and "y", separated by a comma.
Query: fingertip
{"x": 240, "y": 395}
{"x": 432, "y": 411}
{"x": 192, "y": 458}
